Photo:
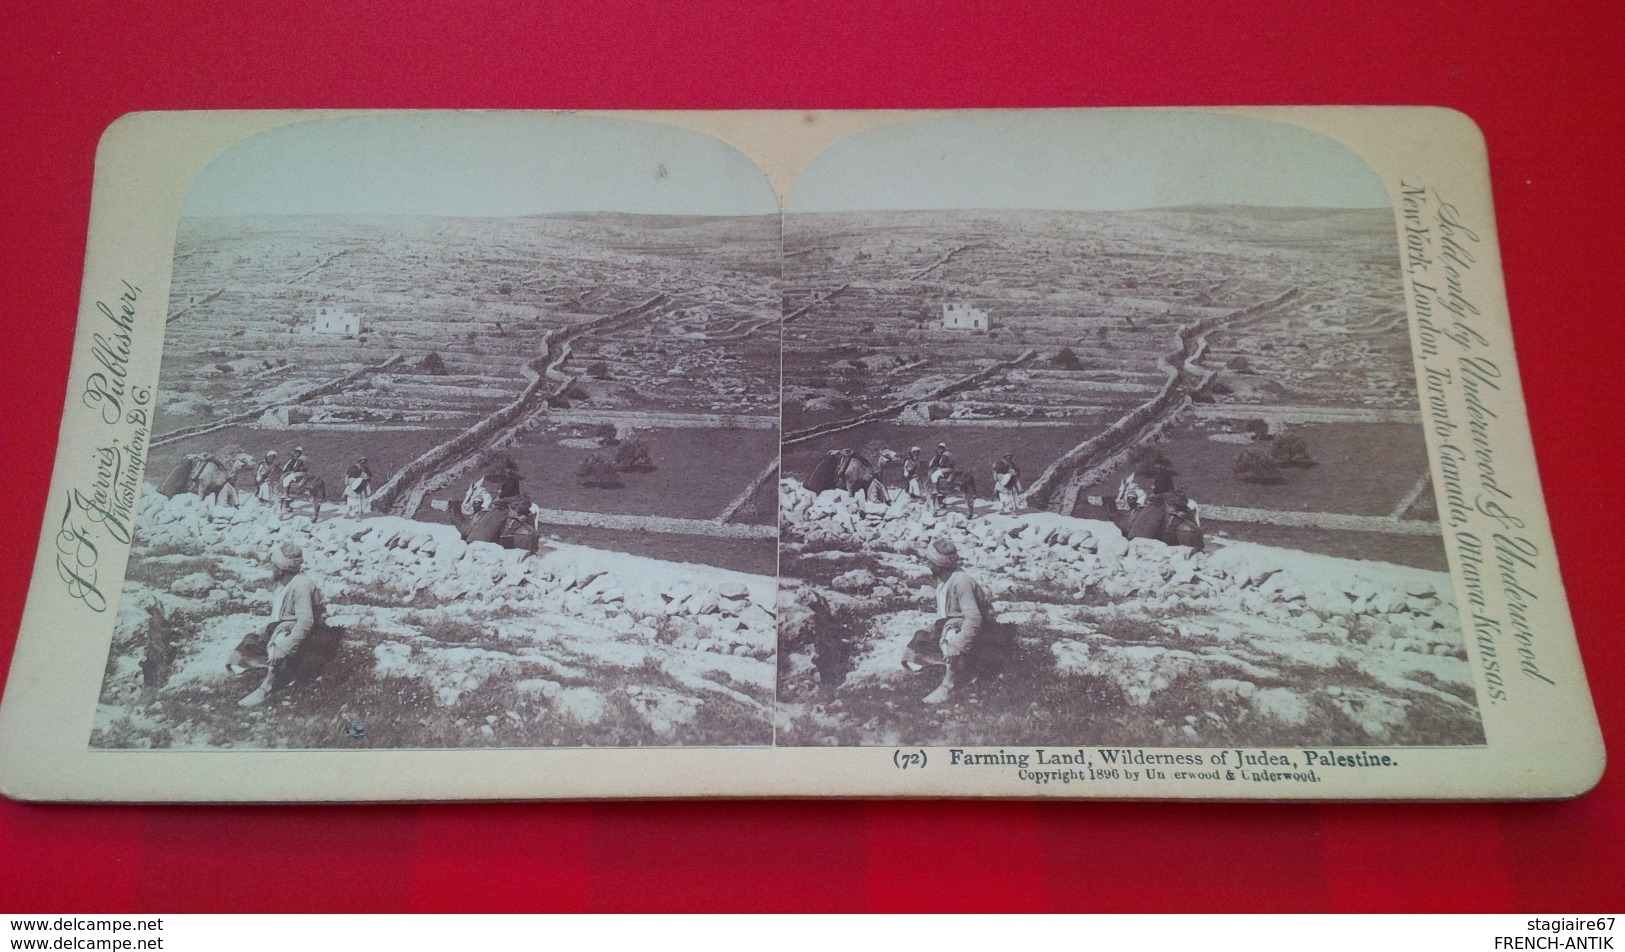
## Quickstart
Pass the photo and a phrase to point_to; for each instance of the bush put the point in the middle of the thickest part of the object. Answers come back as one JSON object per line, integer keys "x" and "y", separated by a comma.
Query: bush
{"x": 432, "y": 364}
{"x": 1065, "y": 359}
{"x": 1257, "y": 429}
{"x": 604, "y": 433}
{"x": 598, "y": 370}
{"x": 1291, "y": 451}
{"x": 1147, "y": 456}
{"x": 598, "y": 470}
{"x": 1254, "y": 467}
{"x": 1240, "y": 365}
{"x": 634, "y": 455}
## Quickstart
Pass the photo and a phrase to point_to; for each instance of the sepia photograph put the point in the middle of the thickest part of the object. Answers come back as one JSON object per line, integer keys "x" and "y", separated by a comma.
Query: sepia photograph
{"x": 465, "y": 435}
{"x": 1104, "y": 429}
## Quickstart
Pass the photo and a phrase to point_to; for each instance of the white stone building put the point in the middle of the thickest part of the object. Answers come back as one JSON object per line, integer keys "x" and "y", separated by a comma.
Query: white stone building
{"x": 338, "y": 321}
{"x": 958, "y": 316}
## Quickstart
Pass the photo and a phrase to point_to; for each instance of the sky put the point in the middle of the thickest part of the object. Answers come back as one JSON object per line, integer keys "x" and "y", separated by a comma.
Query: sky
{"x": 1085, "y": 160}
{"x": 479, "y": 164}
{"x": 502, "y": 163}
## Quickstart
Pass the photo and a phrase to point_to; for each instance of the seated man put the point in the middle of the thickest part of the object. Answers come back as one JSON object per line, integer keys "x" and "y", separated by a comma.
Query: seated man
{"x": 294, "y": 470}
{"x": 942, "y": 463}
{"x": 966, "y": 640}
{"x": 297, "y": 610}
{"x": 1134, "y": 490}
{"x": 508, "y": 481}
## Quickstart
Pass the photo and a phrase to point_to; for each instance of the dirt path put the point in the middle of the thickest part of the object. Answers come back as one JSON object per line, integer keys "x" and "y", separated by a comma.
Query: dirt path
{"x": 1320, "y": 520}
{"x": 668, "y": 421}
{"x": 663, "y": 524}
{"x": 1304, "y": 414}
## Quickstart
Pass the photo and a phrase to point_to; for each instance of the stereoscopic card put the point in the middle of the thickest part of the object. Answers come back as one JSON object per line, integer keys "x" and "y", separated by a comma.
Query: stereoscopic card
{"x": 1173, "y": 453}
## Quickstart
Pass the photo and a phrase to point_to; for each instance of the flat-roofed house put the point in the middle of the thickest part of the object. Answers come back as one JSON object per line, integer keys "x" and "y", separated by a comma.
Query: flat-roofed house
{"x": 958, "y": 316}
{"x": 336, "y": 320}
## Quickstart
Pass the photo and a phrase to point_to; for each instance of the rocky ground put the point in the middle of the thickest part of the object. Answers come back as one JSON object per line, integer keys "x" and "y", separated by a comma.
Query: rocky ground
{"x": 1117, "y": 642}
{"x": 445, "y": 644}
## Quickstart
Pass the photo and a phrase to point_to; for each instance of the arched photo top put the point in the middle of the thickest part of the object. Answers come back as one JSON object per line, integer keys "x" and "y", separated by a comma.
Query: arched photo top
{"x": 1105, "y": 160}
{"x": 480, "y": 165}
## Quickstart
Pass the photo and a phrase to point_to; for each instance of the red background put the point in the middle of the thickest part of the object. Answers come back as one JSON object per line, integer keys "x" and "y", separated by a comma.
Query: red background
{"x": 1547, "y": 90}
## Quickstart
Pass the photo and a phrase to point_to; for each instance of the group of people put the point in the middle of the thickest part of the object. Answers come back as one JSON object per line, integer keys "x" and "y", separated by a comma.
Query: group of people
{"x": 924, "y": 479}
{"x": 275, "y": 481}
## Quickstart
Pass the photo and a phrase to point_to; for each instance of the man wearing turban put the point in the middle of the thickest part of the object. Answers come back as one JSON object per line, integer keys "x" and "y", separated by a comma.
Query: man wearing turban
{"x": 964, "y": 614}
{"x": 297, "y": 609}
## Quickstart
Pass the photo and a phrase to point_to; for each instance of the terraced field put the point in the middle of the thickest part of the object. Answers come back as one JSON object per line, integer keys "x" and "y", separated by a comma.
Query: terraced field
{"x": 1302, "y": 323}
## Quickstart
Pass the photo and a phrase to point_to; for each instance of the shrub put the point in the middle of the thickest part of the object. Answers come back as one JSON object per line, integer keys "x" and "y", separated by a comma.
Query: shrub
{"x": 1240, "y": 365}
{"x": 598, "y": 470}
{"x": 634, "y": 455}
{"x": 604, "y": 433}
{"x": 1254, "y": 467}
{"x": 432, "y": 364}
{"x": 1258, "y": 429}
{"x": 1065, "y": 359}
{"x": 1291, "y": 451}
{"x": 598, "y": 370}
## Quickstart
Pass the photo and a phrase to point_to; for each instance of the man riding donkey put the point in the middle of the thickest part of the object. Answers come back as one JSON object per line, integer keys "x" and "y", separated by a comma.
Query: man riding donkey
{"x": 295, "y": 471}
{"x": 966, "y": 639}
{"x": 1152, "y": 507}
{"x": 938, "y": 471}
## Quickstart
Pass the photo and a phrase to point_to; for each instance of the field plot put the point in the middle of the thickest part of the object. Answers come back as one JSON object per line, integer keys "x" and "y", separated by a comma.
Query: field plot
{"x": 1291, "y": 319}
{"x": 463, "y": 306}
{"x": 479, "y": 293}
{"x": 1342, "y": 478}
